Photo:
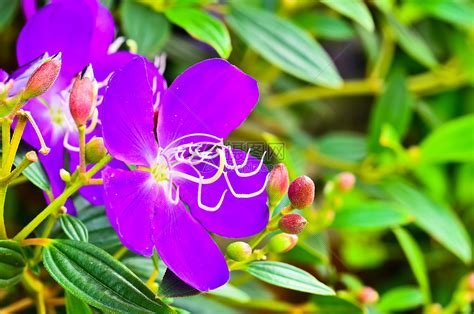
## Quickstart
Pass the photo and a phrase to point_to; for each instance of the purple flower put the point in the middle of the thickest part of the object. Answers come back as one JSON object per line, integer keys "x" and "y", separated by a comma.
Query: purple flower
{"x": 83, "y": 31}
{"x": 186, "y": 181}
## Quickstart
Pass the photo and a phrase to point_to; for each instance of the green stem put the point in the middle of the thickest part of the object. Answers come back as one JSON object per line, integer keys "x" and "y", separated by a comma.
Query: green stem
{"x": 35, "y": 287}
{"x": 3, "y": 195}
{"x": 46, "y": 232}
{"x": 6, "y": 124}
{"x": 16, "y": 172}
{"x": 55, "y": 205}
{"x": 82, "y": 148}
{"x": 14, "y": 144}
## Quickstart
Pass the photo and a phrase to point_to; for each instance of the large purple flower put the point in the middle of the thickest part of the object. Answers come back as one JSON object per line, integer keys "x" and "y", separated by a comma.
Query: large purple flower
{"x": 82, "y": 30}
{"x": 186, "y": 181}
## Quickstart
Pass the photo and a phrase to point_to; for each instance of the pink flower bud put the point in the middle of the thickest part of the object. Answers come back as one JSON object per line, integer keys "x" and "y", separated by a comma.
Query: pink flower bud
{"x": 345, "y": 181}
{"x": 95, "y": 150}
{"x": 239, "y": 251}
{"x": 301, "y": 192}
{"x": 292, "y": 223}
{"x": 43, "y": 77}
{"x": 470, "y": 281}
{"x": 83, "y": 96}
{"x": 282, "y": 243}
{"x": 278, "y": 183}
{"x": 368, "y": 295}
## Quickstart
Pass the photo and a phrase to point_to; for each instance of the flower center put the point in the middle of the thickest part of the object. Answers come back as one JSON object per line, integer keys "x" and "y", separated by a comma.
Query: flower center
{"x": 160, "y": 171}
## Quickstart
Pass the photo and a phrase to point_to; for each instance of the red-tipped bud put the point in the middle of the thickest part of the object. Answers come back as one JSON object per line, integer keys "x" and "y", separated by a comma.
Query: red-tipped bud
{"x": 239, "y": 251}
{"x": 95, "y": 150}
{"x": 278, "y": 183}
{"x": 43, "y": 77}
{"x": 83, "y": 96}
{"x": 282, "y": 243}
{"x": 470, "y": 281}
{"x": 292, "y": 223}
{"x": 345, "y": 181}
{"x": 368, "y": 295}
{"x": 301, "y": 192}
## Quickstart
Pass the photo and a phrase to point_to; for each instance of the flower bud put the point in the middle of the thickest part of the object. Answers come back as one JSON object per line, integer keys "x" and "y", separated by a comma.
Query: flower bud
{"x": 239, "y": 251}
{"x": 367, "y": 295}
{"x": 301, "y": 192}
{"x": 345, "y": 181}
{"x": 278, "y": 183}
{"x": 292, "y": 223}
{"x": 470, "y": 281}
{"x": 83, "y": 96}
{"x": 65, "y": 175}
{"x": 282, "y": 243}
{"x": 95, "y": 150}
{"x": 43, "y": 77}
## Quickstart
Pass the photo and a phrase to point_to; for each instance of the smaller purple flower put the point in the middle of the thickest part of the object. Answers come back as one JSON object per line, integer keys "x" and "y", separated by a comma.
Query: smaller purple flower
{"x": 186, "y": 182}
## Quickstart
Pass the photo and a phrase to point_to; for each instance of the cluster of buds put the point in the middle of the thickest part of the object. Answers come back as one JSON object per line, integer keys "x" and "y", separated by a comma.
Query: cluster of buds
{"x": 292, "y": 223}
{"x": 83, "y": 98}
{"x": 301, "y": 192}
{"x": 278, "y": 183}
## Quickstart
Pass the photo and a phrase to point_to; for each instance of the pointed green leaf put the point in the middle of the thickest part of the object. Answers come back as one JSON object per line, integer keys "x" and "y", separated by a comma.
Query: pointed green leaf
{"x": 12, "y": 263}
{"x": 354, "y": 9}
{"x": 370, "y": 216}
{"x": 95, "y": 277}
{"x": 287, "y": 276}
{"x": 325, "y": 304}
{"x": 203, "y": 27}
{"x": 452, "y": 142}
{"x": 76, "y": 306}
{"x": 74, "y": 228}
{"x": 99, "y": 228}
{"x": 440, "y": 222}
{"x": 416, "y": 260}
{"x": 401, "y": 299}
{"x": 412, "y": 43}
{"x": 149, "y": 29}
{"x": 282, "y": 43}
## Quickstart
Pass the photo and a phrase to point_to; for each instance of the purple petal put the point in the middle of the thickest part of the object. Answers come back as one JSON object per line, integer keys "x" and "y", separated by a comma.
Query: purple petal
{"x": 29, "y": 8}
{"x": 212, "y": 97}
{"x": 185, "y": 246}
{"x": 108, "y": 64}
{"x": 64, "y": 26}
{"x": 23, "y": 74}
{"x": 3, "y": 76}
{"x": 127, "y": 115}
{"x": 129, "y": 202}
{"x": 236, "y": 217}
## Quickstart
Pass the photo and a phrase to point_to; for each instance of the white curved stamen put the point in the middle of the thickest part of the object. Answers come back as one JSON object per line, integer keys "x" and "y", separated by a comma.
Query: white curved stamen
{"x": 220, "y": 140}
{"x": 69, "y": 146}
{"x": 244, "y": 195}
{"x": 208, "y": 208}
{"x": 114, "y": 47}
{"x": 249, "y": 174}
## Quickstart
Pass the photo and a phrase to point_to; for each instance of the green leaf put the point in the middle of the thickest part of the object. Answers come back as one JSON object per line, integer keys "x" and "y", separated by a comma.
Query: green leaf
{"x": 149, "y": 29}
{"x": 100, "y": 230}
{"x": 371, "y": 215}
{"x": 401, "y": 299}
{"x": 333, "y": 305}
{"x": 464, "y": 180}
{"x": 95, "y": 277}
{"x": 203, "y": 27}
{"x": 8, "y": 9}
{"x": 33, "y": 172}
{"x": 354, "y": 9}
{"x": 455, "y": 12}
{"x": 438, "y": 221}
{"x": 393, "y": 107}
{"x": 282, "y": 43}
{"x": 74, "y": 228}
{"x": 343, "y": 146}
{"x": 287, "y": 276}
{"x": 143, "y": 267}
{"x": 412, "y": 43}
{"x": 76, "y": 306}
{"x": 325, "y": 26}
{"x": 452, "y": 142}
{"x": 12, "y": 263}
{"x": 416, "y": 260}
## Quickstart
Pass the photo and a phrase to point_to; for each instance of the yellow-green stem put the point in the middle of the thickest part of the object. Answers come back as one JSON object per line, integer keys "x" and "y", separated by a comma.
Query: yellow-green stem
{"x": 55, "y": 205}
{"x": 36, "y": 288}
{"x": 82, "y": 148}
{"x": 6, "y": 124}
{"x": 15, "y": 142}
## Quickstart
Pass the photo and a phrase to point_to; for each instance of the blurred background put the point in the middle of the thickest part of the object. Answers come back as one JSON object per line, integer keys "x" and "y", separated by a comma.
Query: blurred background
{"x": 382, "y": 89}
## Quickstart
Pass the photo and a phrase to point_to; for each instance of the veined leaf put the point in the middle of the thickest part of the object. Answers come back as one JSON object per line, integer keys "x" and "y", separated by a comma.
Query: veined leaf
{"x": 74, "y": 228}
{"x": 354, "y": 9}
{"x": 325, "y": 304}
{"x": 12, "y": 263}
{"x": 284, "y": 44}
{"x": 149, "y": 29}
{"x": 438, "y": 221}
{"x": 453, "y": 141}
{"x": 373, "y": 215}
{"x": 95, "y": 277}
{"x": 343, "y": 146}
{"x": 76, "y": 306}
{"x": 203, "y": 27}
{"x": 325, "y": 26}
{"x": 287, "y": 276}
{"x": 99, "y": 228}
